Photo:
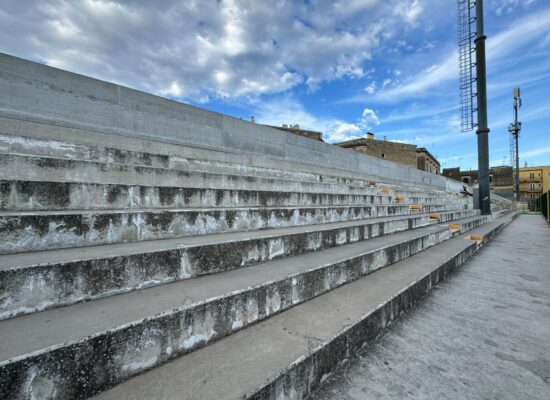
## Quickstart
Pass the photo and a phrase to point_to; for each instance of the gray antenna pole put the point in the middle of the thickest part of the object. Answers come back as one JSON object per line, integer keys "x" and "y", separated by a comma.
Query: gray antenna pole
{"x": 514, "y": 129}
{"x": 482, "y": 124}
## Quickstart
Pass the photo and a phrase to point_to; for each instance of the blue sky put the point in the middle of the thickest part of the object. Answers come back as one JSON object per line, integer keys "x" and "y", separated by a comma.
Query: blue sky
{"x": 340, "y": 67}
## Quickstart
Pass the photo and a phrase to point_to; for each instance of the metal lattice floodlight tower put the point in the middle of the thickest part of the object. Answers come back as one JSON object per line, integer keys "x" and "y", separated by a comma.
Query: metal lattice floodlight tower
{"x": 473, "y": 102}
{"x": 514, "y": 129}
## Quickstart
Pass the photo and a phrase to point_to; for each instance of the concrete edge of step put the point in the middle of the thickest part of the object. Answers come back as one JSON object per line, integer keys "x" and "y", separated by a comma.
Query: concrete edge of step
{"x": 283, "y": 385}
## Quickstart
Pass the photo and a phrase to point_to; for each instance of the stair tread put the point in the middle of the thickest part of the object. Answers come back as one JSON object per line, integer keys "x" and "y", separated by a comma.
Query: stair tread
{"x": 50, "y": 328}
{"x": 224, "y": 370}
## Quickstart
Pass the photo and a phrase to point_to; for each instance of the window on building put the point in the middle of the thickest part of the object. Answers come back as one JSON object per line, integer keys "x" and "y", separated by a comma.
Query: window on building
{"x": 531, "y": 186}
{"x": 383, "y": 155}
{"x": 490, "y": 178}
{"x": 531, "y": 176}
{"x": 466, "y": 179}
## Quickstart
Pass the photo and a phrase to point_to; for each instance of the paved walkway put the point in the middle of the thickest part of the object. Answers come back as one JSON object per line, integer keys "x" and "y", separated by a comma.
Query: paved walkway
{"x": 484, "y": 333}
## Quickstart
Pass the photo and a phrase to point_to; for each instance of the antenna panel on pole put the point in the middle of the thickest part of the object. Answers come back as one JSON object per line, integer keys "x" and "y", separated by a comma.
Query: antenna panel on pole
{"x": 466, "y": 56}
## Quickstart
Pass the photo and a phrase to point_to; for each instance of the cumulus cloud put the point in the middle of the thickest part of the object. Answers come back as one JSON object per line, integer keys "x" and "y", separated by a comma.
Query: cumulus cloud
{"x": 195, "y": 49}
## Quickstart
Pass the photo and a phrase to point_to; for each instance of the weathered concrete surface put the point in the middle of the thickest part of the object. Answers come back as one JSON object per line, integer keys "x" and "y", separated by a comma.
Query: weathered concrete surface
{"x": 124, "y": 337}
{"x": 82, "y": 103}
{"x": 484, "y": 334}
{"x": 296, "y": 350}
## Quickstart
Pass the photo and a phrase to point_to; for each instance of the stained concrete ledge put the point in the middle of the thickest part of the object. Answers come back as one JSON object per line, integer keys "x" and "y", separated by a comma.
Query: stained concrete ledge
{"x": 48, "y": 230}
{"x": 37, "y": 281}
{"x": 102, "y": 351}
{"x": 295, "y": 351}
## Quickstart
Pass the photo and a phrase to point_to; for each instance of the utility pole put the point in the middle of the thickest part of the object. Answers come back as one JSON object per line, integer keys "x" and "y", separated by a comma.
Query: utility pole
{"x": 514, "y": 129}
{"x": 482, "y": 124}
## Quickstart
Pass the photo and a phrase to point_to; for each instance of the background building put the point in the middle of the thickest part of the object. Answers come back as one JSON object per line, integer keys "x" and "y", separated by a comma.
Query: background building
{"x": 425, "y": 161}
{"x": 500, "y": 179}
{"x": 534, "y": 181}
{"x": 402, "y": 153}
{"x": 302, "y": 132}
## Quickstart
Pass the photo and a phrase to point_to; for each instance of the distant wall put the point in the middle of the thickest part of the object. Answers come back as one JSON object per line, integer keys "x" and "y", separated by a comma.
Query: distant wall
{"x": 56, "y": 99}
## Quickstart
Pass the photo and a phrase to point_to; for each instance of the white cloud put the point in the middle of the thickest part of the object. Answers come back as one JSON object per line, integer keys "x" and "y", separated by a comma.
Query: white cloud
{"x": 410, "y": 10}
{"x": 369, "y": 117}
{"x": 343, "y": 131}
{"x": 535, "y": 152}
{"x": 371, "y": 88}
{"x": 500, "y": 48}
{"x": 193, "y": 49}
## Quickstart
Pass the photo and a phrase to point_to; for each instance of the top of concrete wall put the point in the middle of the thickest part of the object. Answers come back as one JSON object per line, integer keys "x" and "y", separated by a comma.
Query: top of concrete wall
{"x": 36, "y": 93}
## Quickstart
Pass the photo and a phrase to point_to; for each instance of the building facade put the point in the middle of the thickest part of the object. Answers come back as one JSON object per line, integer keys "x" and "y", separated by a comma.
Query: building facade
{"x": 501, "y": 178}
{"x": 534, "y": 181}
{"x": 402, "y": 153}
{"x": 425, "y": 161}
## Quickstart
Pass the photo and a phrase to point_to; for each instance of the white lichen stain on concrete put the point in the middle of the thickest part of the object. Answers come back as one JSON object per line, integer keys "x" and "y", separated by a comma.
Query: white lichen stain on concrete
{"x": 237, "y": 316}
{"x": 251, "y": 310}
{"x": 276, "y": 248}
{"x": 200, "y": 331}
{"x": 379, "y": 260}
{"x": 295, "y": 292}
{"x": 253, "y": 254}
{"x": 186, "y": 268}
{"x": 314, "y": 240}
{"x": 37, "y": 386}
{"x": 272, "y": 302}
{"x": 140, "y": 357}
{"x": 354, "y": 234}
{"x": 342, "y": 237}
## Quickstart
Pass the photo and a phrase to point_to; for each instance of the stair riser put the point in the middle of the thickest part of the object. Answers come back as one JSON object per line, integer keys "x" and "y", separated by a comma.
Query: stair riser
{"x": 46, "y": 196}
{"x": 303, "y": 378}
{"x": 81, "y": 369}
{"x": 22, "y": 168}
{"x": 20, "y": 233}
{"x": 28, "y": 290}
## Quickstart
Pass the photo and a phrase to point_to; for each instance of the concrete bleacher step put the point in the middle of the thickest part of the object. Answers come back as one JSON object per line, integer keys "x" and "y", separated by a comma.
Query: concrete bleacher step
{"x": 64, "y": 150}
{"x": 39, "y": 280}
{"x": 52, "y": 196}
{"x": 22, "y": 231}
{"x": 296, "y": 351}
{"x": 68, "y": 170}
{"x": 34, "y": 168}
{"x": 113, "y": 338}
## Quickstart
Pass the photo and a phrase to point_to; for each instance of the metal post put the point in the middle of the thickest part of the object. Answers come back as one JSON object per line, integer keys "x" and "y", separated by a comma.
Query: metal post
{"x": 482, "y": 124}
{"x": 514, "y": 129}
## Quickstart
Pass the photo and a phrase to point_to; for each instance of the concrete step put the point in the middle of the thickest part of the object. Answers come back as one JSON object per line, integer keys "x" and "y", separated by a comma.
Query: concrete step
{"x": 114, "y": 338}
{"x": 40, "y": 280}
{"x": 296, "y": 351}
{"x": 47, "y": 230}
{"x": 33, "y": 168}
{"x": 53, "y": 196}
{"x": 190, "y": 162}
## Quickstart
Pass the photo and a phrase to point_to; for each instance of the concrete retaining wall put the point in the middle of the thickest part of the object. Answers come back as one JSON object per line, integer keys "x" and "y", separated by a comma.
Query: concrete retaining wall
{"x": 64, "y": 102}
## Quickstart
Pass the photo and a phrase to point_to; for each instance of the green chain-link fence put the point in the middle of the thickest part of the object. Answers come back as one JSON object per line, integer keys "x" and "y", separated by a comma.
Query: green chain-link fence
{"x": 545, "y": 205}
